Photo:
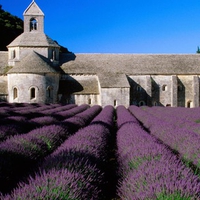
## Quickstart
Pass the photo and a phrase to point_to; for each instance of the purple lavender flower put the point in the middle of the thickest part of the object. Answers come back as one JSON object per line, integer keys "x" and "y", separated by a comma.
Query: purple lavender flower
{"x": 148, "y": 169}
{"x": 58, "y": 184}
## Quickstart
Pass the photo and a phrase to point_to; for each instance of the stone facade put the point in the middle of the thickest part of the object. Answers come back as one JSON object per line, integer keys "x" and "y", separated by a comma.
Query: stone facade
{"x": 32, "y": 88}
{"x": 34, "y": 71}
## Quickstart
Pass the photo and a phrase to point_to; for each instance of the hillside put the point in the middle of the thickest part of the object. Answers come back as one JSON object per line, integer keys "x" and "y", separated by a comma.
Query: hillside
{"x": 10, "y": 26}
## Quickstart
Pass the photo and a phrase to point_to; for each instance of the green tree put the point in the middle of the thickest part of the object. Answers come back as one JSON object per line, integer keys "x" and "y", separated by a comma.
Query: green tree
{"x": 10, "y": 27}
{"x": 198, "y": 50}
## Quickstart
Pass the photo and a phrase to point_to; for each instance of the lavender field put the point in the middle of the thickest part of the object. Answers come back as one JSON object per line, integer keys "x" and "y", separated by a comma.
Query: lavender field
{"x": 70, "y": 152}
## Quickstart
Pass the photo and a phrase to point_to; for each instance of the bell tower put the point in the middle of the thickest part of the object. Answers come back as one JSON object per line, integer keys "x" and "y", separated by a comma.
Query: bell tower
{"x": 33, "y": 38}
{"x": 33, "y": 18}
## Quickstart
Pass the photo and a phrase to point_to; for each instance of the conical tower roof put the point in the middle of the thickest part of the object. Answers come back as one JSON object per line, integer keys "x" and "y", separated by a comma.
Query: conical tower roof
{"x": 33, "y": 63}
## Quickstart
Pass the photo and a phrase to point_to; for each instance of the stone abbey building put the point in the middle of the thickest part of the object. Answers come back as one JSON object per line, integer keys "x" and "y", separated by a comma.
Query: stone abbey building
{"x": 34, "y": 71}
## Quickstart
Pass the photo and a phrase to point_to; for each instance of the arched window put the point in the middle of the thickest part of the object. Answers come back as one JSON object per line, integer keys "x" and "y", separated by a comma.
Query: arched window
{"x": 139, "y": 88}
{"x": 49, "y": 91}
{"x": 142, "y": 103}
{"x": 15, "y": 93}
{"x": 32, "y": 93}
{"x": 33, "y": 24}
{"x": 89, "y": 101}
{"x": 189, "y": 104}
{"x": 164, "y": 88}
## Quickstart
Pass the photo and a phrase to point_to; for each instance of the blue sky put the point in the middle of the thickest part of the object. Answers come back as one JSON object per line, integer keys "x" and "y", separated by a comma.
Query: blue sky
{"x": 119, "y": 26}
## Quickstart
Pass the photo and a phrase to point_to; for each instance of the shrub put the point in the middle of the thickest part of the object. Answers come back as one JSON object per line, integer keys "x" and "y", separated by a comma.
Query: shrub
{"x": 148, "y": 169}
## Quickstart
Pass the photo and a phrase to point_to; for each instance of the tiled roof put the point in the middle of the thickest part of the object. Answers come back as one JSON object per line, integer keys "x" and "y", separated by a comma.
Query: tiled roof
{"x": 3, "y": 62}
{"x": 113, "y": 80}
{"x": 111, "y": 69}
{"x": 3, "y": 85}
{"x": 33, "y": 39}
{"x": 33, "y": 63}
{"x": 133, "y": 64}
{"x": 79, "y": 85}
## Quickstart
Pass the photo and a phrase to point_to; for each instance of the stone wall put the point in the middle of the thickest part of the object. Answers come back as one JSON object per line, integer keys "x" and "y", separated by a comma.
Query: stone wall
{"x": 52, "y": 86}
{"x": 162, "y": 90}
{"x": 181, "y": 90}
{"x": 90, "y": 99}
{"x": 140, "y": 90}
{"x": 186, "y": 91}
{"x": 3, "y": 88}
{"x": 115, "y": 96}
{"x": 41, "y": 50}
{"x": 46, "y": 88}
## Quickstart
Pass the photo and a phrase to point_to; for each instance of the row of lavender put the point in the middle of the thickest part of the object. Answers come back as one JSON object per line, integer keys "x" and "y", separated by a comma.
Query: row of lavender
{"x": 148, "y": 169}
{"x": 75, "y": 170}
{"x": 78, "y": 168}
{"x": 175, "y": 133}
{"x": 20, "y": 120}
{"x": 178, "y": 117}
{"x": 20, "y": 153}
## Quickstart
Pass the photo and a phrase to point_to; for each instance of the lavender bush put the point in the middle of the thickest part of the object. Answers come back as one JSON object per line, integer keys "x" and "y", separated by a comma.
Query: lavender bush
{"x": 123, "y": 116}
{"x": 58, "y": 109}
{"x": 16, "y": 119}
{"x": 48, "y": 163}
{"x": 180, "y": 139}
{"x": 64, "y": 114}
{"x": 4, "y": 112}
{"x": 46, "y": 120}
{"x": 148, "y": 169}
{"x": 76, "y": 170}
{"x": 15, "y": 125}
{"x": 84, "y": 117}
{"x": 58, "y": 184}
{"x": 34, "y": 111}
{"x": 106, "y": 116}
{"x": 9, "y": 130}
{"x": 20, "y": 152}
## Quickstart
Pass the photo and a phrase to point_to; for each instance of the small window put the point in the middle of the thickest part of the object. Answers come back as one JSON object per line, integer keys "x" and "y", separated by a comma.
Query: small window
{"x": 15, "y": 93}
{"x": 13, "y": 54}
{"x": 115, "y": 102}
{"x": 139, "y": 88}
{"x": 49, "y": 91}
{"x": 164, "y": 88}
{"x": 53, "y": 55}
{"x": 89, "y": 101}
{"x": 32, "y": 93}
{"x": 189, "y": 104}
